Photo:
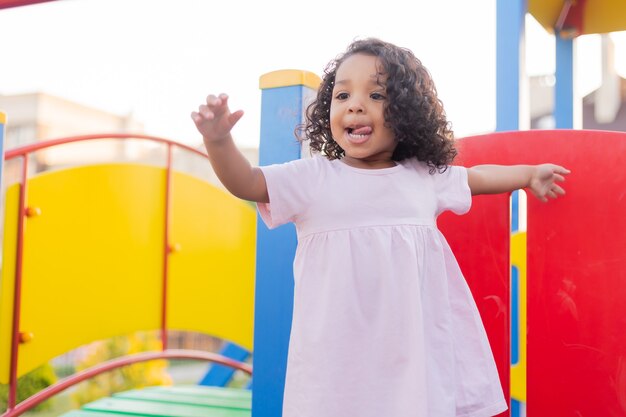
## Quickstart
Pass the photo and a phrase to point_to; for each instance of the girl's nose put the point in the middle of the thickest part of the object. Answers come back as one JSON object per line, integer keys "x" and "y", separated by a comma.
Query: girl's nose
{"x": 355, "y": 106}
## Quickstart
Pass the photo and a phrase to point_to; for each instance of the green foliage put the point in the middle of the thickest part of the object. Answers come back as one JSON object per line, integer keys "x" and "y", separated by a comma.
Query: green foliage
{"x": 129, "y": 377}
{"x": 30, "y": 384}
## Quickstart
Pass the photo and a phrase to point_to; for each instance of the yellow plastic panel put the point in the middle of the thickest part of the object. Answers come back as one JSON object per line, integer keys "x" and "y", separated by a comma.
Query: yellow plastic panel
{"x": 518, "y": 371}
{"x": 546, "y": 12}
{"x": 11, "y": 206}
{"x": 212, "y": 272}
{"x": 605, "y": 16}
{"x": 599, "y": 16}
{"x": 93, "y": 258}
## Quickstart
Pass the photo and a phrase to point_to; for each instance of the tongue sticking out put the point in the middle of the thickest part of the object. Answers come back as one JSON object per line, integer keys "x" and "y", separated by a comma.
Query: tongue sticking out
{"x": 365, "y": 130}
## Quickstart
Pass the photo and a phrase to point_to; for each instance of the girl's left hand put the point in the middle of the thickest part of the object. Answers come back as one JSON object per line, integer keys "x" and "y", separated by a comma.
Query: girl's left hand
{"x": 543, "y": 181}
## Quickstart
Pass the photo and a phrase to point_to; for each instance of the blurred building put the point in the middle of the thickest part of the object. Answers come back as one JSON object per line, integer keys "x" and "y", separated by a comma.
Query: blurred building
{"x": 36, "y": 117}
{"x": 602, "y": 109}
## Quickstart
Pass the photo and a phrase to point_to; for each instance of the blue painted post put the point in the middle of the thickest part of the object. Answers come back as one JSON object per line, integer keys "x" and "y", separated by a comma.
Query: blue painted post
{"x": 510, "y": 15}
{"x": 510, "y": 33}
{"x": 564, "y": 87}
{"x": 284, "y": 94}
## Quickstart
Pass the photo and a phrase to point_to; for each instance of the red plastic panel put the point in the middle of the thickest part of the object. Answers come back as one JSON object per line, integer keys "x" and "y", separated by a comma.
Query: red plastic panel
{"x": 577, "y": 280}
{"x": 576, "y": 269}
{"x": 480, "y": 243}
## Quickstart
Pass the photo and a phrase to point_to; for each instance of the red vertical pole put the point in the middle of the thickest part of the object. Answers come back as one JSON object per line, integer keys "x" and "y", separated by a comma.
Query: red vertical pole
{"x": 17, "y": 291}
{"x": 166, "y": 245}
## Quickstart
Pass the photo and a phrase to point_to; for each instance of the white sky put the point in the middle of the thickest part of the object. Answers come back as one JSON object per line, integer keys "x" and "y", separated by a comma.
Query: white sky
{"x": 159, "y": 59}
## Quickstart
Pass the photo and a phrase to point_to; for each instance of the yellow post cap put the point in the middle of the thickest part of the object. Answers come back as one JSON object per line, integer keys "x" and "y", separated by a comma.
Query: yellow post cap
{"x": 289, "y": 77}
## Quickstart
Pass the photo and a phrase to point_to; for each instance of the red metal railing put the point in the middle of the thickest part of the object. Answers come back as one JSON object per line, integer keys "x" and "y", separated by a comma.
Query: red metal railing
{"x": 118, "y": 363}
{"x": 5, "y": 4}
{"x": 23, "y": 152}
{"x": 17, "y": 294}
{"x": 167, "y": 246}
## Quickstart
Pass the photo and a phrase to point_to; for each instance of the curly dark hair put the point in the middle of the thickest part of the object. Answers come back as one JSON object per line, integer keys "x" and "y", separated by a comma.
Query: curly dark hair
{"x": 412, "y": 109}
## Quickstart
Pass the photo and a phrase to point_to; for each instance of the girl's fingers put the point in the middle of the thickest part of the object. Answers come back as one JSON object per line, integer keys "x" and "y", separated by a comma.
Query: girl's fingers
{"x": 206, "y": 112}
{"x": 217, "y": 101}
{"x": 234, "y": 117}
{"x": 211, "y": 100}
{"x": 558, "y": 190}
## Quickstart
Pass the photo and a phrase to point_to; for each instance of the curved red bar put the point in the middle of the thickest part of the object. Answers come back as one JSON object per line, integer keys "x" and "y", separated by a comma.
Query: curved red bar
{"x": 24, "y": 150}
{"x": 118, "y": 363}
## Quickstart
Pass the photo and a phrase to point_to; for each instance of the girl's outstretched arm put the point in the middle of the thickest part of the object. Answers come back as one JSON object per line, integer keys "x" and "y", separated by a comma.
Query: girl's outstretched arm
{"x": 540, "y": 179}
{"x": 215, "y": 121}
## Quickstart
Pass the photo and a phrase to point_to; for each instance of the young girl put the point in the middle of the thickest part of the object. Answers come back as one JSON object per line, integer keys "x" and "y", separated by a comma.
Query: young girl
{"x": 383, "y": 322}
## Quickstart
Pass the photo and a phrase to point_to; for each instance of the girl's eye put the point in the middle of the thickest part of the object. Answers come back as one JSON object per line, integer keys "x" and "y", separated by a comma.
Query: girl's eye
{"x": 377, "y": 96}
{"x": 341, "y": 96}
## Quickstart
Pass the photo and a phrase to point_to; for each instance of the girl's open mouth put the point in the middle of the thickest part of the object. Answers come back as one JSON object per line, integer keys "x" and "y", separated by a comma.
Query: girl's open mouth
{"x": 358, "y": 134}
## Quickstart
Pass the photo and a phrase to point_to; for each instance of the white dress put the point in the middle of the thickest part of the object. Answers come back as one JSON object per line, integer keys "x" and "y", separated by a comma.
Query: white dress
{"x": 384, "y": 324}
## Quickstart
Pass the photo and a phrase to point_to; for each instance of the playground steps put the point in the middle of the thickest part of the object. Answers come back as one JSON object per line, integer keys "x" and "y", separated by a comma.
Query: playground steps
{"x": 178, "y": 401}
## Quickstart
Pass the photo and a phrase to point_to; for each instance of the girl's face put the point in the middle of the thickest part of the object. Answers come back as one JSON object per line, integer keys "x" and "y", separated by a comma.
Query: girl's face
{"x": 357, "y": 120}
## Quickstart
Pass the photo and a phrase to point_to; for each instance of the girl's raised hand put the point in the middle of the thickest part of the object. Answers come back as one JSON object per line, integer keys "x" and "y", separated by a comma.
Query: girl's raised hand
{"x": 543, "y": 182}
{"x": 214, "y": 119}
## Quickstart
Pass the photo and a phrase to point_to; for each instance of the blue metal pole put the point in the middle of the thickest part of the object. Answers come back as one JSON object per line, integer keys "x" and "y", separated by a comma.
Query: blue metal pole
{"x": 510, "y": 15}
{"x": 510, "y": 32}
{"x": 564, "y": 87}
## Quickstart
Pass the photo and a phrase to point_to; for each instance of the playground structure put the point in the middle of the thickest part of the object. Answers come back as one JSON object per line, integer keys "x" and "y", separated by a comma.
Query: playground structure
{"x": 96, "y": 251}
{"x": 566, "y": 20}
{"x": 565, "y": 310}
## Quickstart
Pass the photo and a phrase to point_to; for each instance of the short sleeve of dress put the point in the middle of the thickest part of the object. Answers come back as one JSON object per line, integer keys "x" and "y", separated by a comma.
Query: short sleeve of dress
{"x": 289, "y": 190}
{"x": 452, "y": 190}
